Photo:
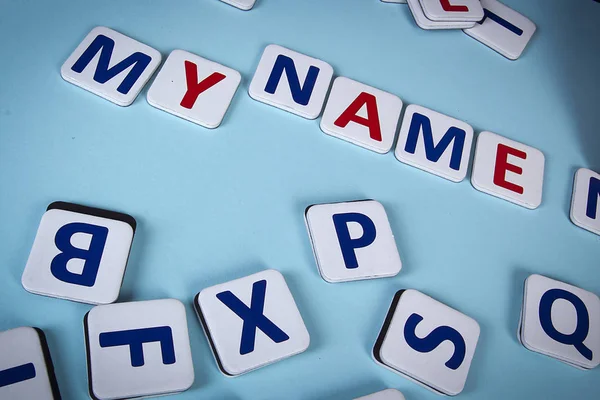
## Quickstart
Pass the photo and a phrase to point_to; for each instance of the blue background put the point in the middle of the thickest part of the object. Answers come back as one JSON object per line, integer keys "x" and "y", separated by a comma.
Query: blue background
{"x": 214, "y": 205}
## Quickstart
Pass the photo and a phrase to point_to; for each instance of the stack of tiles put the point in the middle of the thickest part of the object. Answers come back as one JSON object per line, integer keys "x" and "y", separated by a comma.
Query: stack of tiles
{"x": 388, "y": 394}
{"x": 232, "y": 313}
{"x": 446, "y": 14}
{"x": 352, "y": 241}
{"x": 26, "y": 370}
{"x": 80, "y": 253}
{"x": 427, "y": 342}
{"x": 138, "y": 349}
{"x": 561, "y": 321}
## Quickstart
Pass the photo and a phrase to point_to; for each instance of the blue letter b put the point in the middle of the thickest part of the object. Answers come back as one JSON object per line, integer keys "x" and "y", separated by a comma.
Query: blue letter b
{"x": 347, "y": 244}
{"x": 91, "y": 256}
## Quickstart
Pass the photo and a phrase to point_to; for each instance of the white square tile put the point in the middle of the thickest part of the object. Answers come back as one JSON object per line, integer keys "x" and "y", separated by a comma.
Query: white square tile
{"x": 291, "y": 81}
{"x": 388, "y": 394}
{"x": 111, "y": 65}
{"x": 585, "y": 204}
{"x": 138, "y": 349}
{"x": 79, "y": 253}
{"x": 425, "y": 23}
{"x": 194, "y": 88}
{"x": 427, "y": 342}
{"x": 251, "y": 322}
{"x": 435, "y": 143}
{"x": 362, "y": 115}
{"x": 503, "y": 29}
{"x": 509, "y": 170}
{"x": 352, "y": 241}
{"x": 26, "y": 370}
{"x": 241, "y": 4}
{"x": 561, "y": 321}
{"x": 453, "y": 10}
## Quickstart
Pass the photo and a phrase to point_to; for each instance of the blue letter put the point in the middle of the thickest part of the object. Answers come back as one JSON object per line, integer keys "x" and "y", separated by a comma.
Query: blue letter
{"x": 433, "y": 152}
{"x": 103, "y": 74}
{"x": 92, "y": 256}
{"x": 434, "y": 339}
{"x": 593, "y": 194}
{"x": 500, "y": 21}
{"x": 17, "y": 374}
{"x": 583, "y": 320}
{"x": 253, "y": 317}
{"x": 134, "y": 338}
{"x": 347, "y": 244}
{"x": 300, "y": 94}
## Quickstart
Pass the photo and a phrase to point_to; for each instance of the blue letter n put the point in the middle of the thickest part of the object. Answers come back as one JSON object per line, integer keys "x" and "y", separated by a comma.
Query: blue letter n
{"x": 135, "y": 338}
{"x": 103, "y": 74}
{"x": 300, "y": 94}
{"x": 593, "y": 194}
{"x": 92, "y": 255}
{"x": 434, "y": 152}
{"x": 253, "y": 317}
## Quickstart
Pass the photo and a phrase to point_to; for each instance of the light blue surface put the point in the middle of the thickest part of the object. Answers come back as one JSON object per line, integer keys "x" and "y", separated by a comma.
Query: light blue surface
{"x": 213, "y": 205}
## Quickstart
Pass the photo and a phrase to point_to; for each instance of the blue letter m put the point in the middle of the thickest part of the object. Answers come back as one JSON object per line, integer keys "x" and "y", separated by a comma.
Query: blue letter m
{"x": 300, "y": 94}
{"x": 135, "y": 338}
{"x": 103, "y": 74}
{"x": 434, "y": 152}
{"x": 253, "y": 317}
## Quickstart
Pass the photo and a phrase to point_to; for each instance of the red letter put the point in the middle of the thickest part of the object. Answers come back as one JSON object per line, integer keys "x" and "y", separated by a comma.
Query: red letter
{"x": 372, "y": 120}
{"x": 194, "y": 88}
{"x": 452, "y": 8}
{"x": 502, "y": 165}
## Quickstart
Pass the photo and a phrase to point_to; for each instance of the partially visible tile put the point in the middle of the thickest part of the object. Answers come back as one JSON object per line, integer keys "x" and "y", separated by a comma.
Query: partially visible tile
{"x": 119, "y": 73}
{"x": 585, "y": 207}
{"x": 388, "y": 394}
{"x": 425, "y": 23}
{"x": 452, "y": 10}
{"x": 362, "y": 115}
{"x": 241, "y": 4}
{"x": 194, "y": 88}
{"x": 503, "y": 29}
{"x": 291, "y": 81}
{"x": 26, "y": 370}
{"x": 509, "y": 170}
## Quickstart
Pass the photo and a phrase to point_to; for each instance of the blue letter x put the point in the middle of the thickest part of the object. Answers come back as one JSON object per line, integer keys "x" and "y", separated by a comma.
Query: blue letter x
{"x": 253, "y": 317}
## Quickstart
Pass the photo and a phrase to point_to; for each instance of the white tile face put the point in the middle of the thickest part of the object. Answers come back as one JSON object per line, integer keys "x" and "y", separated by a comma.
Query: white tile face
{"x": 425, "y": 23}
{"x": 194, "y": 88}
{"x": 352, "y": 241}
{"x": 562, "y": 321}
{"x": 435, "y": 143}
{"x": 585, "y": 204}
{"x": 503, "y": 29}
{"x": 111, "y": 65}
{"x": 388, "y": 394}
{"x": 138, "y": 349}
{"x": 291, "y": 81}
{"x": 430, "y": 343}
{"x": 509, "y": 170}
{"x": 241, "y": 4}
{"x": 79, "y": 254}
{"x": 26, "y": 372}
{"x": 452, "y": 10}
{"x": 251, "y": 322}
{"x": 362, "y": 115}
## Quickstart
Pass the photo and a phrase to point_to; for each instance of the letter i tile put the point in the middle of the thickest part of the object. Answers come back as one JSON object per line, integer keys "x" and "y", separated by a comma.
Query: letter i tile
{"x": 79, "y": 253}
{"x": 251, "y": 322}
{"x": 427, "y": 342}
{"x": 138, "y": 349}
{"x": 352, "y": 241}
{"x": 561, "y": 321}
{"x": 194, "y": 88}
